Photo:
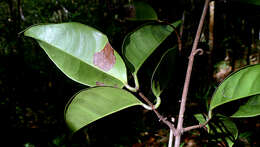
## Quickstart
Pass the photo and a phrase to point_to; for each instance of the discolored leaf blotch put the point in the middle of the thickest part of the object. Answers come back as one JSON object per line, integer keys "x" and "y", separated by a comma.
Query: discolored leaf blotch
{"x": 100, "y": 84}
{"x": 105, "y": 59}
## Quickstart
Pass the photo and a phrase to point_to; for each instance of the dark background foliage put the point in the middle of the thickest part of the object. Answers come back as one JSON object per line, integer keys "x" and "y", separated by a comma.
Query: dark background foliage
{"x": 33, "y": 92}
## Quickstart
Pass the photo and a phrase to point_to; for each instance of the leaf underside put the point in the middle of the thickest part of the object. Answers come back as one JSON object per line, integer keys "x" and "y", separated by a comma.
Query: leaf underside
{"x": 250, "y": 109}
{"x": 95, "y": 103}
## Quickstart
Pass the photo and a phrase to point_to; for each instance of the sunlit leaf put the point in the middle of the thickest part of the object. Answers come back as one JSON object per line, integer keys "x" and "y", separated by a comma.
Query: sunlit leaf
{"x": 81, "y": 52}
{"x": 241, "y": 84}
{"x": 141, "y": 11}
{"x": 250, "y": 109}
{"x": 95, "y": 103}
{"x": 164, "y": 71}
{"x": 140, "y": 44}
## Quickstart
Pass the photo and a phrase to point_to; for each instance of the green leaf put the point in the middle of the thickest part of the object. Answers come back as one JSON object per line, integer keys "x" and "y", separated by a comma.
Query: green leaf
{"x": 94, "y": 103}
{"x": 182, "y": 144}
{"x": 250, "y": 109}
{"x": 164, "y": 71}
{"x": 241, "y": 84}
{"x": 81, "y": 52}
{"x": 142, "y": 11}
{"x": 225, "y": 128}
{"x": 200, "y": 118}
{"x": 140, "y": 44}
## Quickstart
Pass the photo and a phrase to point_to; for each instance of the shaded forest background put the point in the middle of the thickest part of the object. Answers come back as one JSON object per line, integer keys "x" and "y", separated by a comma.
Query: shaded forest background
{"x": 34, "y": 93}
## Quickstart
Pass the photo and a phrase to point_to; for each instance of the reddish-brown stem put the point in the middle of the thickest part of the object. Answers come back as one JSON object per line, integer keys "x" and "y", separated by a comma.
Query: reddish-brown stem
{"x": 179, "y": 40}
{"x": 188, "y": 75}
{"x": 145, "y": 99}
{"x": 161, "y": 118}
{"x": 176, "y": 32}
{"x": 182, "y": 25}
{"x": 178, "y": 37}
{"x": 195, "y": 126}
{"x": 211, "y": 34}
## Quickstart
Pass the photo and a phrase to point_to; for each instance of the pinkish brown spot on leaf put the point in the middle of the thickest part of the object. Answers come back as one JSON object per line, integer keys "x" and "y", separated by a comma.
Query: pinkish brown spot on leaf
{"x": 100, "y": 84}
{"x": 105, "y": 59}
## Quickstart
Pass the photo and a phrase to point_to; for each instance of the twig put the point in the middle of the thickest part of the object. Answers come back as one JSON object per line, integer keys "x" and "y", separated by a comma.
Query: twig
{"x": 211, "y": 36}
{"x": 182, "y": 24}
{"x": 170, "y": 138}
{"x": 195, "y": 126}
{"x": 188, "y": 75}
{"x": 161, "y": 118}
{"x": 20, "y": 10}
{"x": 145, "y": 99}
{"x": 211, "y": 26}
{"x": 178, "y": 37}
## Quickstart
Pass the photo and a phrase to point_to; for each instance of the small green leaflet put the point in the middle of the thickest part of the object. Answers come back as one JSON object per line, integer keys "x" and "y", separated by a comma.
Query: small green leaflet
{"x": 164, "y": 71}
{"x": 140, "y": 44}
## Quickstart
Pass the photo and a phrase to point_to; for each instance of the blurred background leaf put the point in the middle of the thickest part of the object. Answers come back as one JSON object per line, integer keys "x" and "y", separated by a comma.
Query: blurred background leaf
{"x": 141, "y": 11}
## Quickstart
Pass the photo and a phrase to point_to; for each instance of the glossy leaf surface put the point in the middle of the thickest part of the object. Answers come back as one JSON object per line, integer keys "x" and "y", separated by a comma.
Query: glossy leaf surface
{"x": 81, "y": 52}
{"x": 142, "y": 11}
{"x": 95, "y": 103}
{"x": 241, "y": 84}
{"x": 140, "y": 44}
{"x": 164, "y": 71}
{"x": 250, "y": 109}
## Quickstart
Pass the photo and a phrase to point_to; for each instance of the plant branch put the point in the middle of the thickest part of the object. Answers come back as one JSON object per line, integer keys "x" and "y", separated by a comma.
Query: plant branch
{"x": 195, "y": 126}
{"x": 170, "y": 138}
{"x": 188, "y": 75}
{"x": 182, "y": 24}
{"x": 161, "y": 118}
{"x": 178, "y": 37}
